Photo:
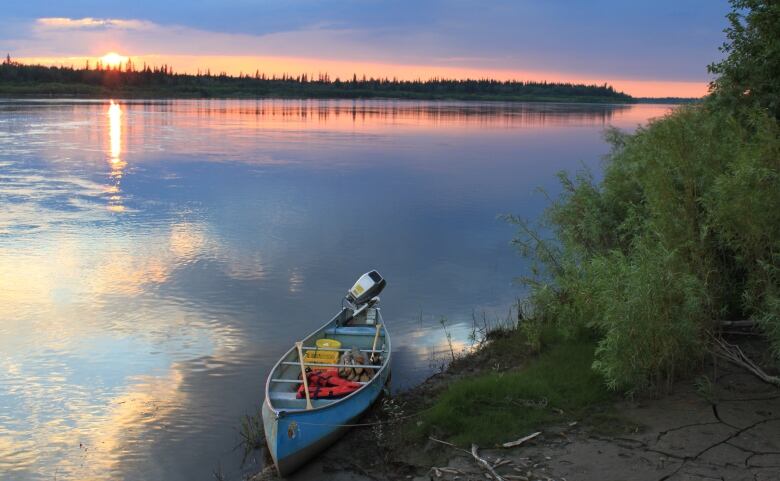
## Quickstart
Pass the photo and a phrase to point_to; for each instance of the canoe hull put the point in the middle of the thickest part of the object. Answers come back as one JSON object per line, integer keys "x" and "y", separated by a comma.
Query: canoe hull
{"x": 294, "y": 437}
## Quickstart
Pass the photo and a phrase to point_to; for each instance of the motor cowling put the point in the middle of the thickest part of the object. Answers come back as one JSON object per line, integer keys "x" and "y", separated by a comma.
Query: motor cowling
{"x": 368, "y": 286}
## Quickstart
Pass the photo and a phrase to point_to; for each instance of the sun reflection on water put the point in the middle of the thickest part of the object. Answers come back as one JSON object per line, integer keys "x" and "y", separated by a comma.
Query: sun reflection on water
{"x": 115, "y": 155}
{"x": 115, "y": 131}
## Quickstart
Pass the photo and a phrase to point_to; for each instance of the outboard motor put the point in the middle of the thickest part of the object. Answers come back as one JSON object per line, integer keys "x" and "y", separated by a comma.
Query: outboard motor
{"x": 365, "y": 289}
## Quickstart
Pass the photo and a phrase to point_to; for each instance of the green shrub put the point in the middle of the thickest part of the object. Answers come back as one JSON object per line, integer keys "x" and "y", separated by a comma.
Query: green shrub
{"x": 683, "y": 230}
{"x": 744, "y": 210}
{"x": 747, "y": 77}
{"x": 652, "y": 317}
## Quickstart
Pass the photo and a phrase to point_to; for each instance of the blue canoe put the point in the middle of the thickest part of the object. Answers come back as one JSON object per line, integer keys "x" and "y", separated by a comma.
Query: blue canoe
{"x": 294, "y": 433}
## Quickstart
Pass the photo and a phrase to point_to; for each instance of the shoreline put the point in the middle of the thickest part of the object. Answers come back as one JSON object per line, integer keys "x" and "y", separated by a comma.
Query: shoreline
{"x": 733, "y": 431}
{"x": 43, "y": 95}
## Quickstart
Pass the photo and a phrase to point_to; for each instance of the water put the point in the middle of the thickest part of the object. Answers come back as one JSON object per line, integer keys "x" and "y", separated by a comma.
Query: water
{"x": 156, "y": 258}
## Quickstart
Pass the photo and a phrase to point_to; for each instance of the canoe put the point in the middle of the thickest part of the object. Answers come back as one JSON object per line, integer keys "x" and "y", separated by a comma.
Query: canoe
{"x": 294, "y": 433}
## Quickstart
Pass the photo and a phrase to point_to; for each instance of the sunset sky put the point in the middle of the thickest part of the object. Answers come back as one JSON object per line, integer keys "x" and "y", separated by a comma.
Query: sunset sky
{"x": 658, "y": 48}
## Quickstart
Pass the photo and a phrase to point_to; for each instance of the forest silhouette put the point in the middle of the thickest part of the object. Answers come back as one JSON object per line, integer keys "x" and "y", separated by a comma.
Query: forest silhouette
{"x": 131, "y": 80}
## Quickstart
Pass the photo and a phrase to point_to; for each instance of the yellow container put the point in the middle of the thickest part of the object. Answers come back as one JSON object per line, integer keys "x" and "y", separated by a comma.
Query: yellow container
{"x": 331, "y": 343}
{"x": 323, "y": 357}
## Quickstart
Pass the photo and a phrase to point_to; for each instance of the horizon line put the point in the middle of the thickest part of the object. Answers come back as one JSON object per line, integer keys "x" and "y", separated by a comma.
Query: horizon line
{"x": 244, "y": 65}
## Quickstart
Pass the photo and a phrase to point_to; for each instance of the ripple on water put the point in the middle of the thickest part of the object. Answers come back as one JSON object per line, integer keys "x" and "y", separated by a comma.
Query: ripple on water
{"x": 155, "y": 262}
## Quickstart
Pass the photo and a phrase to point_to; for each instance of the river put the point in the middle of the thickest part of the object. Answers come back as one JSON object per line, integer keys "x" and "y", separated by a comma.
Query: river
{"x": 156, "y": 258}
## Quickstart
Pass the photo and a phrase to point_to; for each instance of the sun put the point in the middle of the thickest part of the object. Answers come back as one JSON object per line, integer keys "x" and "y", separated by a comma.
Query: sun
{"x": 113, "y": 59}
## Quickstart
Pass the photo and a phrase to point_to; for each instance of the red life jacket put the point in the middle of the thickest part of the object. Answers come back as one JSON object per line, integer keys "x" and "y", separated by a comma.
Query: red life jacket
{"x": 327, "y": 385}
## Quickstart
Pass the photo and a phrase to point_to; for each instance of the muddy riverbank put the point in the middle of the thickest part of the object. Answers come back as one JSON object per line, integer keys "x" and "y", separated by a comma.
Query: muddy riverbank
{"x": 723, "y": 425}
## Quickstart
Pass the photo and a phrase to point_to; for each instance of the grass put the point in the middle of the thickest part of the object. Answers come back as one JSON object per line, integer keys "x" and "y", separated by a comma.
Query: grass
{"x": 489, "y": 409}
{"x": 252, "y": 433}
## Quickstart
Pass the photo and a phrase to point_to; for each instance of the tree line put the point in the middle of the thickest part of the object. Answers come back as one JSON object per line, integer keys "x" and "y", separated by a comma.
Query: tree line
{"x": 128, "y": 78}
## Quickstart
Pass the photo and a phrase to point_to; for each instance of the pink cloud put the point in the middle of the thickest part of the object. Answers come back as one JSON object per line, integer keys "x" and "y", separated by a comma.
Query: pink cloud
{"x": 91, "y": 23}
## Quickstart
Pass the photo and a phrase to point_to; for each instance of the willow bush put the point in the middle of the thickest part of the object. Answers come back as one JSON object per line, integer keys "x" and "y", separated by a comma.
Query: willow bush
{"x": 682, "y": 231}
{"x": 743, "y": 209}
{"x": 650, "y": 318}
{"x": 747, "y": 76}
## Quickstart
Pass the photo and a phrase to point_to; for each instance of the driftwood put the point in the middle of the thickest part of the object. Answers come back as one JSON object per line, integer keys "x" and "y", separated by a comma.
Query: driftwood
{"x": 450, "y": 470}
{"x": 521, "y": 440}
{"x": 448, "y": 444}
{"x": 734, "y": 355}
{"x": 474, "y": 453}
{"x": 737, "y": 328}
{"x": 484, "y": 464}
{"x": 746, "y": 323}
